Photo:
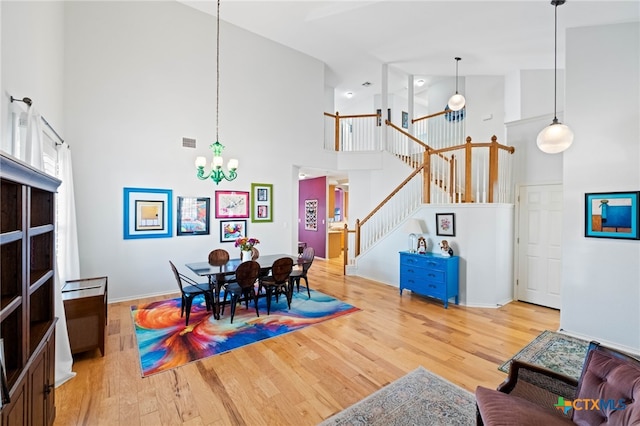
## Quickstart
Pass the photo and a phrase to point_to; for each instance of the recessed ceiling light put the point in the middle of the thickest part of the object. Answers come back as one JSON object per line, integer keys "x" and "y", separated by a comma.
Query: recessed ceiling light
{"x": 349, "y": 95}
{"x": 302, "y": 176}
{"x": 420, "y": 83}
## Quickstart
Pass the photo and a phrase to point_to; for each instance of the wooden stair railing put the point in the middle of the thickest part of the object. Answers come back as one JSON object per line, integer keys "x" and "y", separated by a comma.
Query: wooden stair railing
{"x": 422, "y": 158}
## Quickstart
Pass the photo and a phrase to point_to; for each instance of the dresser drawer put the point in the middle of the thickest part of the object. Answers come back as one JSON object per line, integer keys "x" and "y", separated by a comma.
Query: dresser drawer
{"x": 423, "y": 261}
{"x": 434, "y": 290}
{"x": 423, "y": 274}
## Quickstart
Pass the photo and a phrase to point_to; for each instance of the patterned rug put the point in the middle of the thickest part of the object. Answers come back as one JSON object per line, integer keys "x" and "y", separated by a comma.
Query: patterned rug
{"x": 165, "y": 343}
{"x": 419, "y": 398}
{"x": 555, "y": 351}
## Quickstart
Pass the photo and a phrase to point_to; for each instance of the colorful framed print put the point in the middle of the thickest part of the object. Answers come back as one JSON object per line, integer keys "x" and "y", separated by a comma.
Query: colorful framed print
{"x": 147, "y": 213}
{"x": 232, "y": 204}
{"x": 612, "y": 215}
{"x": 193, "y": 216}
{"x": 405, "y": 120}
{"x": 232, "y": 229}
{"x": 261, "y": 202}
{"x": 445, "y": 224}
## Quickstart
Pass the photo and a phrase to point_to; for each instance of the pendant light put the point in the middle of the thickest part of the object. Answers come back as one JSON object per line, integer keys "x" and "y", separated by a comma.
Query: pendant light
{"x": 457, "y": 101}
{"x": 556, "y": 137}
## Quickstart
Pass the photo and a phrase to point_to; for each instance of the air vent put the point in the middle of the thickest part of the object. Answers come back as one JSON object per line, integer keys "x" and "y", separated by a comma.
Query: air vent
{"x": 188, "y": 143}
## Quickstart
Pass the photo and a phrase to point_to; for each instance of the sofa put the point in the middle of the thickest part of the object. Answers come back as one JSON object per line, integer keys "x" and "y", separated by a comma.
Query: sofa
{"x": 607, "y": 392}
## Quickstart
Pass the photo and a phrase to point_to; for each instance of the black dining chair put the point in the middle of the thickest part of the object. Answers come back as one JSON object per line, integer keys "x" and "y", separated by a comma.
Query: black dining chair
{"x": 189, "y": 289}
{"x": 279, "y": 282}
{"x": 243, "y": 286}
{"x": 305, "y": 262}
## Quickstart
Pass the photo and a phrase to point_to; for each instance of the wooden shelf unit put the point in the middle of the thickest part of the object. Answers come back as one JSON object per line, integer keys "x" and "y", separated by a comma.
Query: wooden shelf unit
{"x": 27, "y": 272}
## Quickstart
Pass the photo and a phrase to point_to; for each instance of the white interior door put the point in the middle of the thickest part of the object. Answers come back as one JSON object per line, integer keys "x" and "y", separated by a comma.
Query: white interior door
{"x": 539, "y": 245}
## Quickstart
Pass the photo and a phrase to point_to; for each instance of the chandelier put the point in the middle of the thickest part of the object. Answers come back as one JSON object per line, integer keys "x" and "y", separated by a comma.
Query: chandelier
{"x": 217, "y": 174}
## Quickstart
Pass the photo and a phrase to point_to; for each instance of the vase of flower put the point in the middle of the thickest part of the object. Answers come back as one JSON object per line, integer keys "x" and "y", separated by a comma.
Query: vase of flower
{"x": 246, "y": 244}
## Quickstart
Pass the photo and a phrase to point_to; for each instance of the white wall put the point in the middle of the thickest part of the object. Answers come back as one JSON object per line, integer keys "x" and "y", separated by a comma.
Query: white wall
{"x": 32, "y": 62}
{"x": 486, "y": 268}
{"x": 530, "y": 93}
{"x": 485, "y": 108}
{"x": 601, "y": 277}
{"x": 538, "y": 92}
{"x": 139, "y": 77}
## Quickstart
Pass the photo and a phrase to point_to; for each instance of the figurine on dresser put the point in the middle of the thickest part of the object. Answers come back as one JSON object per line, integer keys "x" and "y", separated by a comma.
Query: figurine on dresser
{"x": 445, "y": 249}
{"x": 422, "y": 245}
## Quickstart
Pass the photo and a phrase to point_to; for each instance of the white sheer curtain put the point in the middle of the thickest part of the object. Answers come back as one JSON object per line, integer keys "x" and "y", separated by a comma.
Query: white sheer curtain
{"x": 34, "y": 139}
{"x": 68, "y": 261}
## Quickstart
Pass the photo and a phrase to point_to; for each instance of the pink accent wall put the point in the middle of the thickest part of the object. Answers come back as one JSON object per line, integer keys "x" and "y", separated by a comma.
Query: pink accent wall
{"x": 313, "y": 189}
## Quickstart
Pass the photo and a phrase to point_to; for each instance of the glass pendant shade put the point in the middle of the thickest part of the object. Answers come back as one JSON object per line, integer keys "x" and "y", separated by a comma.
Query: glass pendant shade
{"x": 554, "y": 138}
{"x": 456, "y": 102}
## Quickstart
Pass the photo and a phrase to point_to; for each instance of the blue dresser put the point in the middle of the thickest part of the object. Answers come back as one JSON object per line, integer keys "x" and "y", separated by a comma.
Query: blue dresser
{"x": 430, "y": 275}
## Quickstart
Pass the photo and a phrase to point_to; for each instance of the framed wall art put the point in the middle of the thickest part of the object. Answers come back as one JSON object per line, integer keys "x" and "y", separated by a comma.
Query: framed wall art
{"x": 445, "y": 224}
{"x": 311, "y": 215}
{"x": 193, "y": 216}
{"x": 147, "y": 213}
{"x": 232, "y": 204}
{"x": 261, "y": 202}
{"x": 612, "y": 215}
{"x": 405, "y": 120}
{"x": 232, "y": 229}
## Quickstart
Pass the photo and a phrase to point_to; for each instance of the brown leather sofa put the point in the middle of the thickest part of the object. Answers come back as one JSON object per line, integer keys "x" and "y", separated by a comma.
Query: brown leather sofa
{"x": 607, "y": 392}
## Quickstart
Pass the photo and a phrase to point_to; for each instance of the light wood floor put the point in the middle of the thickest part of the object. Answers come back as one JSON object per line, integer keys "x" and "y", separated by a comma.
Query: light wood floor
{"x": 306, "y": 376}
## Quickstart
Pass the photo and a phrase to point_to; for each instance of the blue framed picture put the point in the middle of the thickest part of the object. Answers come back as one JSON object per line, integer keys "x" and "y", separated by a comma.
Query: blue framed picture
{"x": 612, "y": 215}
{"x": 147, "y": 213}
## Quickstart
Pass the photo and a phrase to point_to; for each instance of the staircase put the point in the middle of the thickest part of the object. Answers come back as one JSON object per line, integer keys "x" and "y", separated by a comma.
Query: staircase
{"x": 445, "y": 167}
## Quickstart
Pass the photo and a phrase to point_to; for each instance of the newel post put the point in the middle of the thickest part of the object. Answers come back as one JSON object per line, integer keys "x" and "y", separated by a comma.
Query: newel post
{"x": 337, "y": 132}
{"x": 345, "y": 251}
{"x": 468, "y": 191}
{"x": 357, "y": 237}
{"x": 426, "y": 176}
{"x": 493, "y": 166}
{"x": 452, "y": 179}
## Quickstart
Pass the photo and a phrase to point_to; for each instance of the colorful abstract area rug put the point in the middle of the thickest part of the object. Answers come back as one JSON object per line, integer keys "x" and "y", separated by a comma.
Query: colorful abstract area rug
{"x": 555, "y": 351}
{"x": 419, "y": 398}
{"x": 165, "y": 343}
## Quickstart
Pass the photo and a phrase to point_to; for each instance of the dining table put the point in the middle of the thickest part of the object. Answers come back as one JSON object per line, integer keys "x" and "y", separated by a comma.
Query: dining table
{"x": 219, "y": 274}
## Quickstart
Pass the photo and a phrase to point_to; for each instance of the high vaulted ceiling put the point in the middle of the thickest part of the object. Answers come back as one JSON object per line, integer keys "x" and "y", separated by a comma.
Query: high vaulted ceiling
{"x": 420, "y": 38}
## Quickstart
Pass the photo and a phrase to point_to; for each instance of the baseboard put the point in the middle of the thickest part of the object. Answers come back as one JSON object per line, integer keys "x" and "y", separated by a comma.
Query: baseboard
{"x": 632, "y": 351}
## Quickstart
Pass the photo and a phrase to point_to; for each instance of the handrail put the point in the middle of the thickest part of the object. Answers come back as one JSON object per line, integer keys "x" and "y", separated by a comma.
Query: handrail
{"x": 393, "y": 192}
{"x": 437, "y": 114}
{"x": 410, "y": 136}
